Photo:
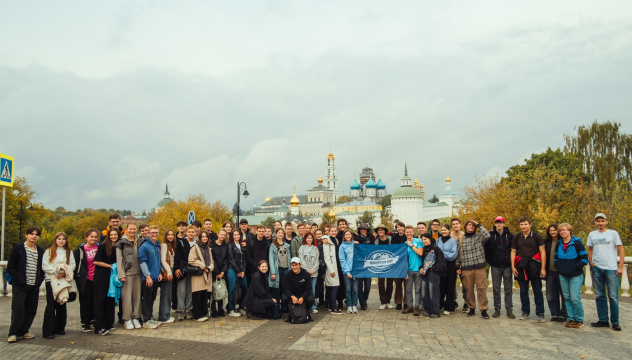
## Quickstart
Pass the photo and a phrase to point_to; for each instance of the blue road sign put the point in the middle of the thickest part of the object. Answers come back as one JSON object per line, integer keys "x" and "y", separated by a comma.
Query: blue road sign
{"x": 191, "y": 217}
{"x": 6, "y": 170}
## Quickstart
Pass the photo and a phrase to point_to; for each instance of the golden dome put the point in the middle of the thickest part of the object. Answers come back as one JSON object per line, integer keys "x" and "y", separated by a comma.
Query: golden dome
{"x": 416, "y": 183}
{"x": 294, "y": 201}
{"x": 330, "y": 156}
{"x": 421, "y": 186}
{"x": 267, "y": 199}
{"x": 320, "y": 180}
{"x": 448, "y": 180}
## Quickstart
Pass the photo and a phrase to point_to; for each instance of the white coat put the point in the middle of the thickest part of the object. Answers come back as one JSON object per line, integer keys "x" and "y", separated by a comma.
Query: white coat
{"x": 329, "y": 253}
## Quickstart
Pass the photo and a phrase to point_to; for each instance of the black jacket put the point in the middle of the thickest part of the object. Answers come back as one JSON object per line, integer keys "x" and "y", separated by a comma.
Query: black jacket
{"x": 81, "y": 269}
{"x": 255, "y": 252}
{"x": 258, "y": 291}
{"x": 220, "y": 258}
{"x": 181, "y": 257}
{"x": 397, "y": 239}
{"x": 368, "y": 239}
{"x": 16, "y": 266}
{"x": 299, "y": 285}
{"x": 236, "y": 258}
{"x": 498, "y": 248}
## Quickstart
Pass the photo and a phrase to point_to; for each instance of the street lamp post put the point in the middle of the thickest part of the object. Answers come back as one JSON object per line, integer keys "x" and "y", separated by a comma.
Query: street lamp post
{"x": 245, "y": 193}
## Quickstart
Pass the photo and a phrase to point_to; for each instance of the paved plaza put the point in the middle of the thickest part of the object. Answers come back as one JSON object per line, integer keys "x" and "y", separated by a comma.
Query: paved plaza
{"x": 375, "y": 334}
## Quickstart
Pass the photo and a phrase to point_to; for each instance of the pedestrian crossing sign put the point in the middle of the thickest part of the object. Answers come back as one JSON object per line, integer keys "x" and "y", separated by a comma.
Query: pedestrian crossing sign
{"x": 6, "y": 170}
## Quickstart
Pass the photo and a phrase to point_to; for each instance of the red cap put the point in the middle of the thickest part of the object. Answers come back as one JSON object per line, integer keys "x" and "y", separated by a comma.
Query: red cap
{"x": 499, "y": 218}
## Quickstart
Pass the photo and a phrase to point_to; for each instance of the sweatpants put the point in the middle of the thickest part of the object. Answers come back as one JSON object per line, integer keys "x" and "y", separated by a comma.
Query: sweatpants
{"x": 54, "y": 314}
{"x": 130, "y": 297}
{"x": 184, "y": 295}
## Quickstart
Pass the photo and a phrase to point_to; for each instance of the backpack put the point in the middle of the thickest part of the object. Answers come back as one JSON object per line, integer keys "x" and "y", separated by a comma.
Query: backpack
{"x": 297, "y": 314}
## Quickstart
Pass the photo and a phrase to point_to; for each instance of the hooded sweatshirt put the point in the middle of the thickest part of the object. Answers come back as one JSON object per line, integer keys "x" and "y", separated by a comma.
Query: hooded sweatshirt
{"x": 149, "y": 257}
{"x": 346, "y": 257}
{"x": 299, "y": 285}
{"x": 255, "y": 252}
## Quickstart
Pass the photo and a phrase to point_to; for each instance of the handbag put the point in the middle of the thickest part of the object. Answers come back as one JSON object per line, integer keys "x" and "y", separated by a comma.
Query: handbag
{"x": 219, "y": 290}
{"x": 190, "y": 270}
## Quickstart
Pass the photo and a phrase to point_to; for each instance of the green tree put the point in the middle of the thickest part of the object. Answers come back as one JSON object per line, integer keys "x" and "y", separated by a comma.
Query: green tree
{"x": 386, "y": 201}
{"x": 344, "y": 199}
{"x": 328, "y": 218}
{"x": 268, "y": 222}
{"x": 366, "y": 218}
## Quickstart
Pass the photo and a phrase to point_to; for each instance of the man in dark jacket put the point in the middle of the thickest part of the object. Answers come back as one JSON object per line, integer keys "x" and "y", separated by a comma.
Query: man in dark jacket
{"x": 398, "y": 237}
{"x": 498, "y": 254}
{"x": 246, "y": 235}
{"x": 256, "y": 250}
{"x": 364, "y": 285}
{"x": 25, "y": 268}
{"x": 297, "y": 286}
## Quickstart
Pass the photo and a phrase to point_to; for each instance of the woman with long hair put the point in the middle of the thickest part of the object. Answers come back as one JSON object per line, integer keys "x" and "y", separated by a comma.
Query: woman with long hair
{"x": 220, "y": 270}
{"x": 236, "y": 270}
{"x": 554, "y": 294}
{"x": 128, "y": 269}
{"x": 259, "y": 301}
{"x": 332, "y": 279}
{"x": 279, "y": 255}
{"x": 84, "y": 277}
{"x": 201, "y": 285}
{"x": 104, "y": 305}
{"x": 450, "y": 249}
{"x": 56, "y": 263}
{"x": 310, "y": 260}
{"x": 346, "y": 260}
{"x": 228, "y": 226}
{"x": 167, "y": 253}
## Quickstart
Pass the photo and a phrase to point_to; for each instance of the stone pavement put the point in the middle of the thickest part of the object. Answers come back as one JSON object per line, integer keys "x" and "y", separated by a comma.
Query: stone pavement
{"x": 378, "y": 334}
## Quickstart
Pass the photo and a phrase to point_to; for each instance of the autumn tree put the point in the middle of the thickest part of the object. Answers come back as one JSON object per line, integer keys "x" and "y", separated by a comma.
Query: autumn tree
{"x": 168, "y": 216}
{"x": 343, "y": 199}
{"x": 366, "y": 218}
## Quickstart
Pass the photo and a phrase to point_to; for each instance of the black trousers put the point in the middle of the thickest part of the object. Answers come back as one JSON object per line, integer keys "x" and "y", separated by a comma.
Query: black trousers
{"x": 148, "y": 296}
{"x": 54, "y": 314}
{"x": 23, "y": 309}
{"x": 320, "y": 287}
{"x": 174, "y": 293}
{"x": 104, "y": 308}
{"x": 200, "y": 303}
{"x": 86, "y": 305}
{"x": 309, "y": 301}
{"x": 447, "y": 299}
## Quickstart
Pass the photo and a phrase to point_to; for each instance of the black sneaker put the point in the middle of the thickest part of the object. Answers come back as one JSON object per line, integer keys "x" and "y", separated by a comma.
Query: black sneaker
{"x": 86, "y": 328}
{"x": 363, "y": 307}
{"x": 616, "y": 327}
{"x": 484, "y": 314}
{"x": 103, "y": 332}
{"x": 600, "y": 324}
{"x": 465, "y": 309}
{"x": 398, "y": 307}
{"x": 472, "y": 312}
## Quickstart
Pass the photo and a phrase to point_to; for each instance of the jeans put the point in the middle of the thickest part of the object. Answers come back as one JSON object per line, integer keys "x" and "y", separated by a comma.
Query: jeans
{"x": 505, "y": 276}
{"x": 572, "y": 289}
{"x": 536, "y": 286}
{"x": 364, "y": 288}
{"x": 385, "y": 289}
{"x": 314, "y": 290}
{"x": 232, "y": 281}
{"x": 351, "y": 291}
{"x": 603, "y": 279}
{"x": 23, "y": 309}
{"x": 413, "y": 283}
{"x": 185, "y": 299}
{"x": 554, "y": 295}
{"x": 430, "y": 290}
{"x": 332, "y": 291}
{"x": 164, "y": 310}
{"x": 149, "y": 296}
{"x": 54, "y": 314}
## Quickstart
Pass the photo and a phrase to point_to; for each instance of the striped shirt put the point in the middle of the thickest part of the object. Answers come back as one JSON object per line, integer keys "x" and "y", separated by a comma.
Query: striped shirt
{"x": 31, "y": 265}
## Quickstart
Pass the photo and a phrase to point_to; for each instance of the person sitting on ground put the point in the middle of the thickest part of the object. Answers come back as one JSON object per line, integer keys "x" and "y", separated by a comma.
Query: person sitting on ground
{"x": 259, "y": 302}
{"x": 297, "y": 287}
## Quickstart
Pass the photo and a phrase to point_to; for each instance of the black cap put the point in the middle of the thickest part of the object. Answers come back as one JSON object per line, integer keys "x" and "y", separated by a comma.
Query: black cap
{"x": 243, "y": 221}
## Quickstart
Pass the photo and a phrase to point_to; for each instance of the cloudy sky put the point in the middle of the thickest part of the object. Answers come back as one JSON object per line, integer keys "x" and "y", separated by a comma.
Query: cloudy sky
{"x": 101, "y": 103}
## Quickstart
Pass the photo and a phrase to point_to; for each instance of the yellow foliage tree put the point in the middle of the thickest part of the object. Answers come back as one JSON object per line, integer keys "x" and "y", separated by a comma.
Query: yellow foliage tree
{"x": 167, "y": 217}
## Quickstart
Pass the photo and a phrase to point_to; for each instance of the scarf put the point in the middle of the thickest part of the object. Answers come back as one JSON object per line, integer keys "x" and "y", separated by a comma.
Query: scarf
{"x": 206, "y": 254}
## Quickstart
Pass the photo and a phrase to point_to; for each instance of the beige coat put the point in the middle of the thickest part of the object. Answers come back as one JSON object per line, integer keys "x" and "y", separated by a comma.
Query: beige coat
{"x": 204, "y": 281}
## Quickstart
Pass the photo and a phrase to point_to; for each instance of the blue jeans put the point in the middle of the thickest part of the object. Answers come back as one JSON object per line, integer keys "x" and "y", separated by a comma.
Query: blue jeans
{"x": 536, "y": 286}
{"x": 430, "y": 291}
{"x": 332, "y": 291}
{"x": 351, "y": 291}
{"x": 364, "y": 288}
{"x": 164, "y": 310}
{"x": 314, "y": 290}
{"x": 232, "y": 280}
{"x": 572, "y": 289}
{"x": 603, "y": 279}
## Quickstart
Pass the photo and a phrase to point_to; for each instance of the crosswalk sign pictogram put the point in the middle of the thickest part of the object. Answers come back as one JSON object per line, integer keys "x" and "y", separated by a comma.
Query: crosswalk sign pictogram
{"x": 191, "y": 217}
{"x": 6, "y": 170}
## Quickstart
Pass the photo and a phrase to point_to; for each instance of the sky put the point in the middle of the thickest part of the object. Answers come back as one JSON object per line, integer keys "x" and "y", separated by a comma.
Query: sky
{"x": 102, "y": 103}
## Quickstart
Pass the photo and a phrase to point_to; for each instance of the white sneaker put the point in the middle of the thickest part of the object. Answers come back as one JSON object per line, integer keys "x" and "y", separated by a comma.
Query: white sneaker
{"x": 129, "y": 325}
{"x": 390, "y": 305}
{"x": 349, "y": 309}
{"x": 168, "y": 321}
{"x": 234, "y": 313}
{"x": 446, "y": 312}
{"x": 136, "y": 323}
{"x": 355, "y": 309}
{"x": 314, "y": 311}
{"x": 382, "y": 307}
{"x": 202, "y": 319}
{"x": 150, "y": 324}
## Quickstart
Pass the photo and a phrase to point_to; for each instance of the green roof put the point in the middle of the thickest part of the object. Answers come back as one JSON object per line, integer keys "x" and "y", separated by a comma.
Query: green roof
{"x": 164, "y": 202}
{"x": 406, "y": 192}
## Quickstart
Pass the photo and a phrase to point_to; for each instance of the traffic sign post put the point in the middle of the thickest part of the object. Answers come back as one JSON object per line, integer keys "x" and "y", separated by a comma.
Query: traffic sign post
{"x": 191, "y": 217}
{"x": 6, "y": 180}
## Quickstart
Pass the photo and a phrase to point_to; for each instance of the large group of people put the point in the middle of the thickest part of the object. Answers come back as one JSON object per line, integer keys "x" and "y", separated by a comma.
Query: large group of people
{"x": 270, "y": 271}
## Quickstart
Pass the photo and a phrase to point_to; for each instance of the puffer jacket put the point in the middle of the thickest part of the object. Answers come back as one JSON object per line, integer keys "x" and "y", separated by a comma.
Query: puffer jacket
{"x": 127, "y": 257}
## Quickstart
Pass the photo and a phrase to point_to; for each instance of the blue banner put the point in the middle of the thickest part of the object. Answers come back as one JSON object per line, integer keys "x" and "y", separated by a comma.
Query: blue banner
{"x": 380, "y": 261}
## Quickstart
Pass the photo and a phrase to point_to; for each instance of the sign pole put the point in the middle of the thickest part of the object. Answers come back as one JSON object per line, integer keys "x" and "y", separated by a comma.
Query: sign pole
{"x": 4, "y": 196}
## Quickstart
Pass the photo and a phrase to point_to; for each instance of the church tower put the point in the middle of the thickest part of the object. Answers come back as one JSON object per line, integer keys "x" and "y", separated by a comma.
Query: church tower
{"x": 331, "y": 181}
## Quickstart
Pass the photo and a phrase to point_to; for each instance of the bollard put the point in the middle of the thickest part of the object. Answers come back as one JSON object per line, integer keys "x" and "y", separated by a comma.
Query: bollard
{"x": 588, "y": 281}
{"x": 625, "y": 282}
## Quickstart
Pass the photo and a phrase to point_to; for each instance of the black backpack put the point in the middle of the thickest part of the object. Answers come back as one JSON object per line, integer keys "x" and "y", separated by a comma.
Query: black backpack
{"x": 297, "y": 314}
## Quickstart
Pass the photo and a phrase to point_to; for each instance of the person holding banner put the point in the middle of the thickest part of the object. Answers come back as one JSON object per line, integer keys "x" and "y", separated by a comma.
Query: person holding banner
{"x": 413, "y": 277}
{"x": 364, "y": 285}
{"x": 384, "y": 285}
{"x": 399, "y": 237}
{"x": 346, "y": 261}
